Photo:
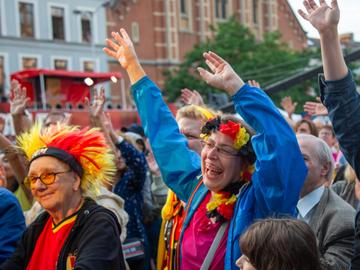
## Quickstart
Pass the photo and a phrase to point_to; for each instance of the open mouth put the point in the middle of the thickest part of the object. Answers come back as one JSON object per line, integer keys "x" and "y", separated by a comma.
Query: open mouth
{"x": 212, "y": 171}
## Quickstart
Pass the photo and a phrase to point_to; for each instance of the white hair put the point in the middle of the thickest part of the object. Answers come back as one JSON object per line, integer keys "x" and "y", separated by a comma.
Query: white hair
{"x": 321, "y": 151}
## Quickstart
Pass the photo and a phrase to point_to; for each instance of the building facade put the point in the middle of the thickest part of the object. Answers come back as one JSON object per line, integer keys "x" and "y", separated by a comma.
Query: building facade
{"x": 51, "y": 34}
{"x": 163, "y": 31}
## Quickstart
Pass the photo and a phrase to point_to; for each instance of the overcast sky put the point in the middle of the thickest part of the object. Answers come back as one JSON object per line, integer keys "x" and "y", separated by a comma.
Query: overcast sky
{"x": 349, "y": 17}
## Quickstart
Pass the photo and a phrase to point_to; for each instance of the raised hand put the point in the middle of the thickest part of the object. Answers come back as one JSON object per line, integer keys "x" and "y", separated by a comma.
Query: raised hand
{"x": 323, "y": 17}
{"x": 288, "y": 105}
{"x": 254, "y": 83}
{"x": 18, "y": 98}
{"x": 107, "y": 124}
{"x": 222, "y": 75}
{"x": 122, "y": 50}
{"x": 97, "y": 104}
{"x": 315, "y": 108}
{"x": 191, "y": 97}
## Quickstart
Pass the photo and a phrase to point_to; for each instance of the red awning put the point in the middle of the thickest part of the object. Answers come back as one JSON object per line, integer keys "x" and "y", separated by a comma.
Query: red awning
{"x": 96, "y": 76}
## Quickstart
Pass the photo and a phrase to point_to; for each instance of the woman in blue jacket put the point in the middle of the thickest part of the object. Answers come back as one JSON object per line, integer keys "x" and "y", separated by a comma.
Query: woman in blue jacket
{"x": 221, "y": 203}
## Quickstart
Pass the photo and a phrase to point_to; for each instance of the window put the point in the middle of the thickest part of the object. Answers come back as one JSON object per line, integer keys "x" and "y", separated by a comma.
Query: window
{"x": 89, "y": 66}
{"x": 58, "y": 24}
{"x": 185, "y": 15}
{"x": 29, "y": 62}
{"x": 221, "y": 9}
{"x": 135, "y": 35}
{"x": 255, "y": 12}
{"x": 2, "y": 75}
{"x": 86, "y": 28}
{"x": 26, "y": 12}
{"x": 60, "y": 64}
{"x": 183, "y": 9}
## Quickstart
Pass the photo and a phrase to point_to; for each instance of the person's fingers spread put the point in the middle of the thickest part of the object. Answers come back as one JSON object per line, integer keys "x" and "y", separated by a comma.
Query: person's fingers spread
{"x": 118, "y": 38}
{"x": 112, "y": 45}
{"x": 217, "y": 57}
{"x": 186, "y": 91}
{"x": 307, "y": 7}
{"x": 102, "y": 95}
{"x": 313, "y": 4}
{"x": 303, "y": 14}
{"x": 13, "y": 84}
{"x": 16, "y": 91}
{"x": 22, "y": 93}
{"x": 204, "y": 74}
{"x": 125, "y": 35}
{"x": 210, "y": 65}
{"x": 110, "y": 52}
{"x": 213, "y": 60}
{"x": 322, "y": 2}
{"x": 95, "y": 94}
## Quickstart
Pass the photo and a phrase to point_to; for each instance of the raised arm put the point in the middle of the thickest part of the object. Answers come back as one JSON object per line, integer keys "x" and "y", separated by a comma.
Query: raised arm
{"x": 338, "y": 90}
{"x": 18, "y": 103}
{"x": 99, "y": 119}
{"x": 191, "y": 97}
{"x": 325, "y": 19}
{"x": 179, "y": 165}
{"x": 123, "y": 51}
{"x": 280, "y": 169}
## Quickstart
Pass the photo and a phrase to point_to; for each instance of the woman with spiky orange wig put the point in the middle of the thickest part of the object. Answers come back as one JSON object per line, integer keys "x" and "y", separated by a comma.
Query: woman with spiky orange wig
{"x": 66, "y": 168}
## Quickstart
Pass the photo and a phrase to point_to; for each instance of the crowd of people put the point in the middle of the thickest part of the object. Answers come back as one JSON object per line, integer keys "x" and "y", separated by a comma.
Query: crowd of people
{"x": 199, "y": 190}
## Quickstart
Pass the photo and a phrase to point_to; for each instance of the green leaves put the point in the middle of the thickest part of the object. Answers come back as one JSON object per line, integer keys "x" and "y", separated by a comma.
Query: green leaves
{"x": 267, "y": 61}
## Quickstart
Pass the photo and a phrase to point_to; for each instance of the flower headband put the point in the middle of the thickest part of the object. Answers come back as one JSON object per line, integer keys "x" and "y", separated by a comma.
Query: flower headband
{"x": 234, "y": 130}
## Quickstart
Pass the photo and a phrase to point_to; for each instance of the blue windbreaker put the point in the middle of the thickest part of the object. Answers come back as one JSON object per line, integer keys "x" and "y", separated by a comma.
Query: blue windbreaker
{"x": 279, "y": 174}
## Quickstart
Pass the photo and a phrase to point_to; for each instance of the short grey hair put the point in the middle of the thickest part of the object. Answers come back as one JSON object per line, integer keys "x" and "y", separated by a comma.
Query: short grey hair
{"x": 321, "y": 151}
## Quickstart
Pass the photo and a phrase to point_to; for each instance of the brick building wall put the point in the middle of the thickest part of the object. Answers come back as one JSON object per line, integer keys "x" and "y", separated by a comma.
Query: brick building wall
{"x": 290, "y": 28}
{"x": 163, "y": 31}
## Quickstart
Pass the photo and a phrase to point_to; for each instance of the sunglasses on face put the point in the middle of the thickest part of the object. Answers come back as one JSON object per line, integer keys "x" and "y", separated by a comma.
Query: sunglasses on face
{"x": 45, "y": 178}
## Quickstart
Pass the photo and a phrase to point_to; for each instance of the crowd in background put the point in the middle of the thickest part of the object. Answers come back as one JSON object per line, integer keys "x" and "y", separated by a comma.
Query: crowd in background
{"x": 258, "y": 189}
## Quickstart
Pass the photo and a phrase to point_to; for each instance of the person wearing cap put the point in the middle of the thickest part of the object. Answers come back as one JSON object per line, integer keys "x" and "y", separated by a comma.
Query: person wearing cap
{"x": 135, "y": 128}
{"x": 240, "y": 176}
{"x": 66, "y": 168}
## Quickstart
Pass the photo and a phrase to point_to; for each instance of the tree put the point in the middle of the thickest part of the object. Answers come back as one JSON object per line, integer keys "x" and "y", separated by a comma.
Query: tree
{"x": 267, "y": 61}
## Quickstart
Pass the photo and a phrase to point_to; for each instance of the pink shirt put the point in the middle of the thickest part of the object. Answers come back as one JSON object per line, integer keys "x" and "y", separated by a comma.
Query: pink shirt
{"x": 198, "y": 238}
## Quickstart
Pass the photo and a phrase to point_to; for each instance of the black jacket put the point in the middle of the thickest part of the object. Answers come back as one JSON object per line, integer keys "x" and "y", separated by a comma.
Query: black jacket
{"x": 94, "y": 240}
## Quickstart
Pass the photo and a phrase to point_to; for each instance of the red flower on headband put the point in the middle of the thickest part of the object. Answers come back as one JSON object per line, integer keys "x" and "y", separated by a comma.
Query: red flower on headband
{"x": 230, "y": 128}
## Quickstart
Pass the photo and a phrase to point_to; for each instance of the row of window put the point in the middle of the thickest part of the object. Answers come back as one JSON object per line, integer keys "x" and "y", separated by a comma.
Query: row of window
{"x": 30, "y": 62}
{"x": 220, "y": 8}
{"x": 26, "y": 17}
{"x": 221, "y": 11}
{"x": 57, "y": 64}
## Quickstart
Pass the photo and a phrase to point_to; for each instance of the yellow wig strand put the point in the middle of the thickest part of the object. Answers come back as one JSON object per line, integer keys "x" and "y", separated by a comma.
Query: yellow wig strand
{"x": 87, "y": 146}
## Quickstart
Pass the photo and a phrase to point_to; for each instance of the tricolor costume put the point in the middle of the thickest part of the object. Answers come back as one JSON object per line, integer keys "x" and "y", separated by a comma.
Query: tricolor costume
{"x": 275, "y": 183}
{"x": 90, "y": 237}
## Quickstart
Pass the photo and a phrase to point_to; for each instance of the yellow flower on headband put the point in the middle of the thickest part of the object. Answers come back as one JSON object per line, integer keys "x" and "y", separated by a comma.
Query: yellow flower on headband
{"x": 204, "y": 136}
{"x": 242, "y": 137}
